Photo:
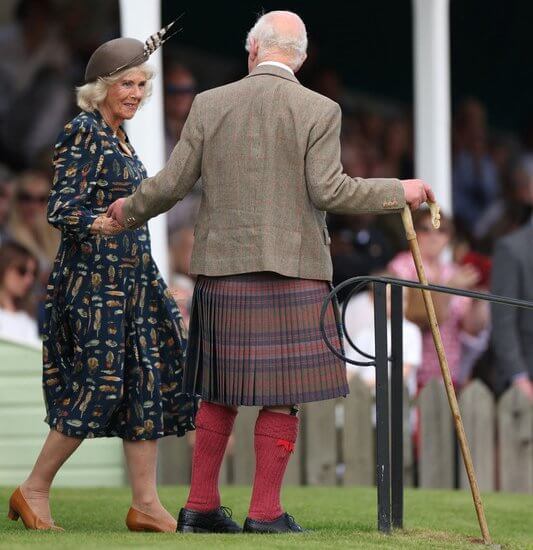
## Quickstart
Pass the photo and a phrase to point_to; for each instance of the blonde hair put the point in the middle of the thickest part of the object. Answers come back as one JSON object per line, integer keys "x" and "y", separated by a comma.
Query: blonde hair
{"x": 91, "y": 95}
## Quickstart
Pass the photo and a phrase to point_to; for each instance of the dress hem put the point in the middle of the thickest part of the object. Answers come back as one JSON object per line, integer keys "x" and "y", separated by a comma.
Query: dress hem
{"x": 179, "y": 432}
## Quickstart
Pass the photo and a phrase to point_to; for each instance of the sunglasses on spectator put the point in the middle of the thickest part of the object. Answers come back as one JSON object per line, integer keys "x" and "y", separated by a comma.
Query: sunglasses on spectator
{"x": 430, "y": 229}
{"x": 23, "y": 271}
{"x": 28, "y": 197}
{"x": 172, "y": 89}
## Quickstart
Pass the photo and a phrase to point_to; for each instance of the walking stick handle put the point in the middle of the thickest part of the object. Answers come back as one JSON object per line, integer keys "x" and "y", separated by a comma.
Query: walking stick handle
{"x": 407, "y": 219}
{"x": 434, "y": 208}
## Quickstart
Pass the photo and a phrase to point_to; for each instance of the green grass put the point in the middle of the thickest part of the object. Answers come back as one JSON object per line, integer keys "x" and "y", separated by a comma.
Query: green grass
{"x": 337, "y": 517}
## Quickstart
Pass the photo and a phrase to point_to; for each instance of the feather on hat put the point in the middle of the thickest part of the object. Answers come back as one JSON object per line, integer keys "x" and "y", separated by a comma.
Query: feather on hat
{"x": 123, "y": 53}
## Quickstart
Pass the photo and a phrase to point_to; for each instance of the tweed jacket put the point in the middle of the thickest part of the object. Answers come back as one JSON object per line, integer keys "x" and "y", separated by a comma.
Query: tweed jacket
{"x": 268, "y": 152}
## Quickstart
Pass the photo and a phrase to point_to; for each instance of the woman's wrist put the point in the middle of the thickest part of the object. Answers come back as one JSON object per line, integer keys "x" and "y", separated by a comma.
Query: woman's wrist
{"x": 98, "y": 226}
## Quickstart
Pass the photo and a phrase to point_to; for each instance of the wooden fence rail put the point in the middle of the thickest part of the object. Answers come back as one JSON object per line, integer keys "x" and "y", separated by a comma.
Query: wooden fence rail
{"x": 336, "y": 444}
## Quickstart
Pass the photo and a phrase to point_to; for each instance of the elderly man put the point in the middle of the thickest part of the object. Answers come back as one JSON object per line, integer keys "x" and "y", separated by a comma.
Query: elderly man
{"x": 268, "y": 152}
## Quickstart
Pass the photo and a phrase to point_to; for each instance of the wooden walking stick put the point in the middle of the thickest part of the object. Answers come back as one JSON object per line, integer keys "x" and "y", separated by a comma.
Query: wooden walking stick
{"x": 452, "y": 398}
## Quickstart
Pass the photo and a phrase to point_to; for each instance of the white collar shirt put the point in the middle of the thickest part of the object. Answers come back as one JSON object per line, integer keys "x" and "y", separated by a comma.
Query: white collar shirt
{"x": 276, "y": 64}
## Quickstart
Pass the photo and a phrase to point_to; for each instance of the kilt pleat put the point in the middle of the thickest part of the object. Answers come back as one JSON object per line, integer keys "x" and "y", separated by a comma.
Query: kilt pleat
{"x": 255, "y": 340}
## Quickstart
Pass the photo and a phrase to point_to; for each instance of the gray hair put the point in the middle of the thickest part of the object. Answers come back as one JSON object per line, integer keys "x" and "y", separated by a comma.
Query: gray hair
{"x": 271, "y": 40}
{"x": 91, "y": 95}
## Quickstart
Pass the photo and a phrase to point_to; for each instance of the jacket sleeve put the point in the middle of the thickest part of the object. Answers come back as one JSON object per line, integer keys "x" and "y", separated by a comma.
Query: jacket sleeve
{"x": 504, "y": 336}
{"x": 159, "y": 193}
{"x": 77, "y": 162}
{"x": 334, "y": 191}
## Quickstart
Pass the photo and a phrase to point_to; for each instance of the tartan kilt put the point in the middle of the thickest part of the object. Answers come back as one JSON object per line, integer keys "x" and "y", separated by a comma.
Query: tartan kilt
{"x": 254, "y": 339}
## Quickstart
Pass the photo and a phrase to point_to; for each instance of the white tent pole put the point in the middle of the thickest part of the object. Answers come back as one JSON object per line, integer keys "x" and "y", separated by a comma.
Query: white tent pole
{"x": 139, "y": 19}
{"x": 432, "y": 97}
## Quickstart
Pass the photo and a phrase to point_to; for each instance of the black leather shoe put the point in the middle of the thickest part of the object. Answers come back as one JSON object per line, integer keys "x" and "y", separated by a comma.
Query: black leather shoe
{"x": 284, "y": 524}
{"x": 215, "y": 521}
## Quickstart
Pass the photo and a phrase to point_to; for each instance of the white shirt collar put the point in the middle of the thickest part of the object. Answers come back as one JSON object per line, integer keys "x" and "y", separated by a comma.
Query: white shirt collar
{"x": 276, "y": 64}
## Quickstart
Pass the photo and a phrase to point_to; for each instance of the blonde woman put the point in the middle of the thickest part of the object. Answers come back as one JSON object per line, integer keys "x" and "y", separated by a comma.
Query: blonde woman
{"x": 114, "y": 339}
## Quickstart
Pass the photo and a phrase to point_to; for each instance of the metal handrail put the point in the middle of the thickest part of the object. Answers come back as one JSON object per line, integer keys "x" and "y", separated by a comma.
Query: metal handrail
{"x": 389, "y": 416}
{"x": 364, "y": 280}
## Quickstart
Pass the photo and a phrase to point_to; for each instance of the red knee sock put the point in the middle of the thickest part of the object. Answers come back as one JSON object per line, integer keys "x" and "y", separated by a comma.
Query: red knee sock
{"x": 275, "y": 435}
{"x": 213, "y": 428}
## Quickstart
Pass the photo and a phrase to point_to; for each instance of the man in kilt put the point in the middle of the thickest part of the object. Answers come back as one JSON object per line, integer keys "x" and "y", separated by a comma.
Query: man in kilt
{"x": 268, "y": 152}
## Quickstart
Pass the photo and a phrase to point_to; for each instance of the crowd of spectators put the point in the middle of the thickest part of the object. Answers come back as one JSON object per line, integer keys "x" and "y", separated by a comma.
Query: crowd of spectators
{"x": 43, "y": 60}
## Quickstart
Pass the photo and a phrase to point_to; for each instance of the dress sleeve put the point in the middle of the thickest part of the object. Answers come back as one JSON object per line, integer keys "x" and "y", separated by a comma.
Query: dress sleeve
{"x": 78, "y": 159}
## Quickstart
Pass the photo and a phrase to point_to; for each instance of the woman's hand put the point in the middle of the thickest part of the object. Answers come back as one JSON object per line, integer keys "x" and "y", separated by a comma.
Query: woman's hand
{"x": 466, "y": 277}
{"x": 106, "y": 226}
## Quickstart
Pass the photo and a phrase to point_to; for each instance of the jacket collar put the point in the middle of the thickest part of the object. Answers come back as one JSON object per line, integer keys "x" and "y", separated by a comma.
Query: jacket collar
{"x": 273, "y": 71}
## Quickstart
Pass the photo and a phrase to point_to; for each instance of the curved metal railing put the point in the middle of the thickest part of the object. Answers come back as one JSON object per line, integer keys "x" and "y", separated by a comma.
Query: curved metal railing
{"x": 389, "y": 412}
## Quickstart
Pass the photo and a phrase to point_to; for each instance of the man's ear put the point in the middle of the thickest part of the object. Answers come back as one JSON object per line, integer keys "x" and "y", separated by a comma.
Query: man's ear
{"x": 254, "y": 49}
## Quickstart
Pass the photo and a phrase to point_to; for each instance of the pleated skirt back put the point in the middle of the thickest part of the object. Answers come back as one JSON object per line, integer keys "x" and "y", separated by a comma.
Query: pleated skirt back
{"x": 255, "y": 340}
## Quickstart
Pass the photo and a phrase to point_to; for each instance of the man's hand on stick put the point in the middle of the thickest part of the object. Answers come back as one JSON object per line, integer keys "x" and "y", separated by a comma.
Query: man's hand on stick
{"x": 416, "y": 193}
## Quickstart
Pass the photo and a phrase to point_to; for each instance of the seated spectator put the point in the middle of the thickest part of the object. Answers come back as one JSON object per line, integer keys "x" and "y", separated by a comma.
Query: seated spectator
{"x": 358, "y": 314}
{"x": 372, "y": 126}
{"x": 353, "y": 157}
{"x": 475, "y": 178}
{"x": 36, "y": 95}
{"x": 455, "y": 314}
{"x": 474, "y": 346}
{"x": 512, "y": 211}
{"x": 28, "y": 224}
{"x": 18, "y": 272}
{"x": 181, "y": 283}
{"x": 180, "y": 91}
{"x": 512, "y": 345}
{"x": 6, "y": 192}
{"x": 363, "y": 336}
{"x": 358, "y": 247}
{"x": 397, "y": 161}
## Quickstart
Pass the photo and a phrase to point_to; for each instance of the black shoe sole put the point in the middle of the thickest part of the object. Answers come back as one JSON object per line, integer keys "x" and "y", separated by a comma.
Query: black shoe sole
{"x": 272, "y": 532}
{"x": 194, "y": 529}
{"x": 191, "y": 529}
{"x": 266, "y": 532}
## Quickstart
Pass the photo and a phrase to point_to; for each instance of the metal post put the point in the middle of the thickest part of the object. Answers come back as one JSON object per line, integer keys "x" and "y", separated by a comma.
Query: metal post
{"x": 397, "y": 406}
{"x": 382, "y": 408}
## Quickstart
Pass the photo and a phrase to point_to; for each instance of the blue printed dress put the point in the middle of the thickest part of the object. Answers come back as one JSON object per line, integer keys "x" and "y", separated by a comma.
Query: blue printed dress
{"x": 114, "y": 344}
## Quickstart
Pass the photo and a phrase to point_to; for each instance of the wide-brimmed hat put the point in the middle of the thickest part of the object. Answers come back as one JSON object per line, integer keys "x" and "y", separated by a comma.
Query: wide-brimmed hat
{"x": 124, "y": 53}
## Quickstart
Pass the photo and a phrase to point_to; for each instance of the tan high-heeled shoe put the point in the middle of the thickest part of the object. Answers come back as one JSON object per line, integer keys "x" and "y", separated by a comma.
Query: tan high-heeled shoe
{"x": 139, "y": 521}
{"x": 19, "y": 508}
